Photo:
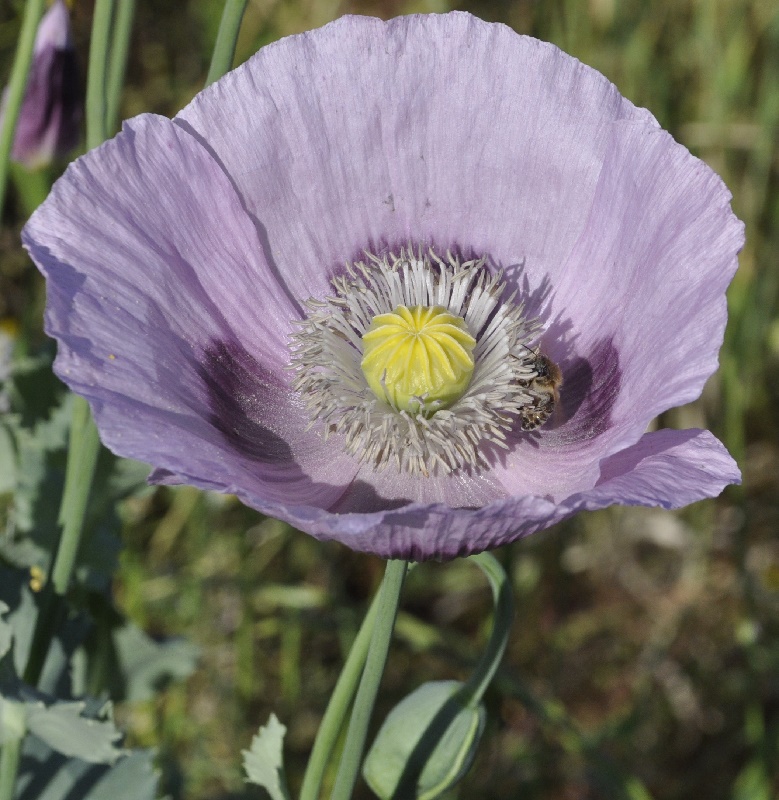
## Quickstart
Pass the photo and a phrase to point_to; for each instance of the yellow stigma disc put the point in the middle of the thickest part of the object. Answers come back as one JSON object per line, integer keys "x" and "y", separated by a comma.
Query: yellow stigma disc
{"x": 418, "y": 359}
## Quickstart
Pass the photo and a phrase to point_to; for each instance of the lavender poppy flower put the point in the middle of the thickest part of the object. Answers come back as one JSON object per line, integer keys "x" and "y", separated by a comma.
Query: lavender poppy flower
{"x": 236, "y": 291}
{"x": 50, "y": 118}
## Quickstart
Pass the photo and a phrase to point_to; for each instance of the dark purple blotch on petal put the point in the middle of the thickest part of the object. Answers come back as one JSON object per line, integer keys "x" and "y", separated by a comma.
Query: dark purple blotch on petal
{"x": 590, "y": 389}
{"x": 237, "y": 386}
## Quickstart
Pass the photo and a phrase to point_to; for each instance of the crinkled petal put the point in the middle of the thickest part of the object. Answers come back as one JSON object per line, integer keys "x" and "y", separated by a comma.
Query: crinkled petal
{"x": 374, "y": 491}
{"x": 650, "y": 272}
{"x": 451, "y": 131}
{"x": 170, "y": 322}
{"x": 667, "y": 468}
{"x": 564, "y": 456}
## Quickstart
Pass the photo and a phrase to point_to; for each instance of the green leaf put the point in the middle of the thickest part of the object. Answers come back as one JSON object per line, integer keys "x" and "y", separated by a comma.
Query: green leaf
{"x": 13, "y": 717}
{"x": 146, "y": 665}
{"x": 34, "y": 389}
{"x": 21, "y": 616}
{"x": 132, "y": 778}
{"x": 6, "y": 631}
{"x": 44, "y": 775}
{"x": 40, "y": 452}
{"x": 264, "y": 761}
{"x": 426, "y": 744}
{"x": 636, "y": 790}
{"x": 64, "y": 729}
{"x": 55, "y": 679}
{"x": 8, "y": 475}
{"x": 115, "y": 479}
{"x": 40, "y": 468}
{"x": 753, "y": 783}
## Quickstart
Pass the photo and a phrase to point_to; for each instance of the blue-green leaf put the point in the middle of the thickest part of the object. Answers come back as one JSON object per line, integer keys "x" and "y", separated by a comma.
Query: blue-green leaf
{"x": 64, "y": 729}
{"x": 264, "y": 761}
{"x": 146, "y": 664}
{"x": 45, "y": 775}
{"x": 6, "y": 631}
{"x": 8, "y": 475}
{"x": 426, "y": 744}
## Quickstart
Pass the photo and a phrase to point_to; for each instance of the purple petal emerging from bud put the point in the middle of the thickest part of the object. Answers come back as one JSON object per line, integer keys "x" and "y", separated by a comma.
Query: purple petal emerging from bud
{"x": 50, "y": 119}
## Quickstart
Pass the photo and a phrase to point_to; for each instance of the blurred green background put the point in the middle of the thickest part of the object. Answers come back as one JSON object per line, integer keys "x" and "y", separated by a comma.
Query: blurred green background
{"x": 644, "y": 660}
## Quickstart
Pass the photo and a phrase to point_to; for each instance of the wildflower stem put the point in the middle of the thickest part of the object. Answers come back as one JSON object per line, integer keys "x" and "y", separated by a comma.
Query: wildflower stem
{"x": 9, "y": 765}
{"x": 224, "y": 49}
{"x": 117, "y": 64}
{"x": 342, "y": 696}
{"x": 96, "y": 76}
{"x": 17, "y": 84}
{"x": 82, "y": 456}
{"x": 503, "y": 598}
{"x": 389, "y": 597}
{"x": 31, "y": 187}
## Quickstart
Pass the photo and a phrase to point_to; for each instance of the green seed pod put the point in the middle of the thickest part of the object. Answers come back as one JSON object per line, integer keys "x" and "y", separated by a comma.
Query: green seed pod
{"x": 426, "y": 744}
{"x": 418, "y": 359}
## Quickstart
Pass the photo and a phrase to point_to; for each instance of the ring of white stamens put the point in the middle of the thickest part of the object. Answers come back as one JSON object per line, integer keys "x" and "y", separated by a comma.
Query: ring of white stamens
{"x": 327, "y": 350}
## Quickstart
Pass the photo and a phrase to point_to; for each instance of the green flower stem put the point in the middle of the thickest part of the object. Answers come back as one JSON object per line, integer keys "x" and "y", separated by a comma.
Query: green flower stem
{"x": 341, "y": 698}
{"x": 351, "y": 757}
{"x": 224, "y": 49}
{"x": 14, "y": 721}
{"x": 97, "y": 129}
{"x": 30, "y": 186}
{"x": 9, "y": 764}
{"x": 17, "y": 83}
{"x": 117, "y": 64}
{"x": 503, "y": 598}
{"x": 83, "y": 450}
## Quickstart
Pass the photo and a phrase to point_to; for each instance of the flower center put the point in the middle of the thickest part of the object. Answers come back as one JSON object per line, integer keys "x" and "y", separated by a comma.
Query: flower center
{"x": 421, "y": 363}
{"x": 418, "y": 359}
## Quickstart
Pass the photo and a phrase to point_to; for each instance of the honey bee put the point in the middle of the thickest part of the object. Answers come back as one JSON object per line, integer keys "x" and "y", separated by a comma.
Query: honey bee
{"x": 546, "y": 389}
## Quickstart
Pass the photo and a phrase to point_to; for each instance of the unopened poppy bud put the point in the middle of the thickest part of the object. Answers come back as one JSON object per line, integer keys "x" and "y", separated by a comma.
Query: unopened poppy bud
{"x": 50, "y": 117}
{"x": 426, "y": 744}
